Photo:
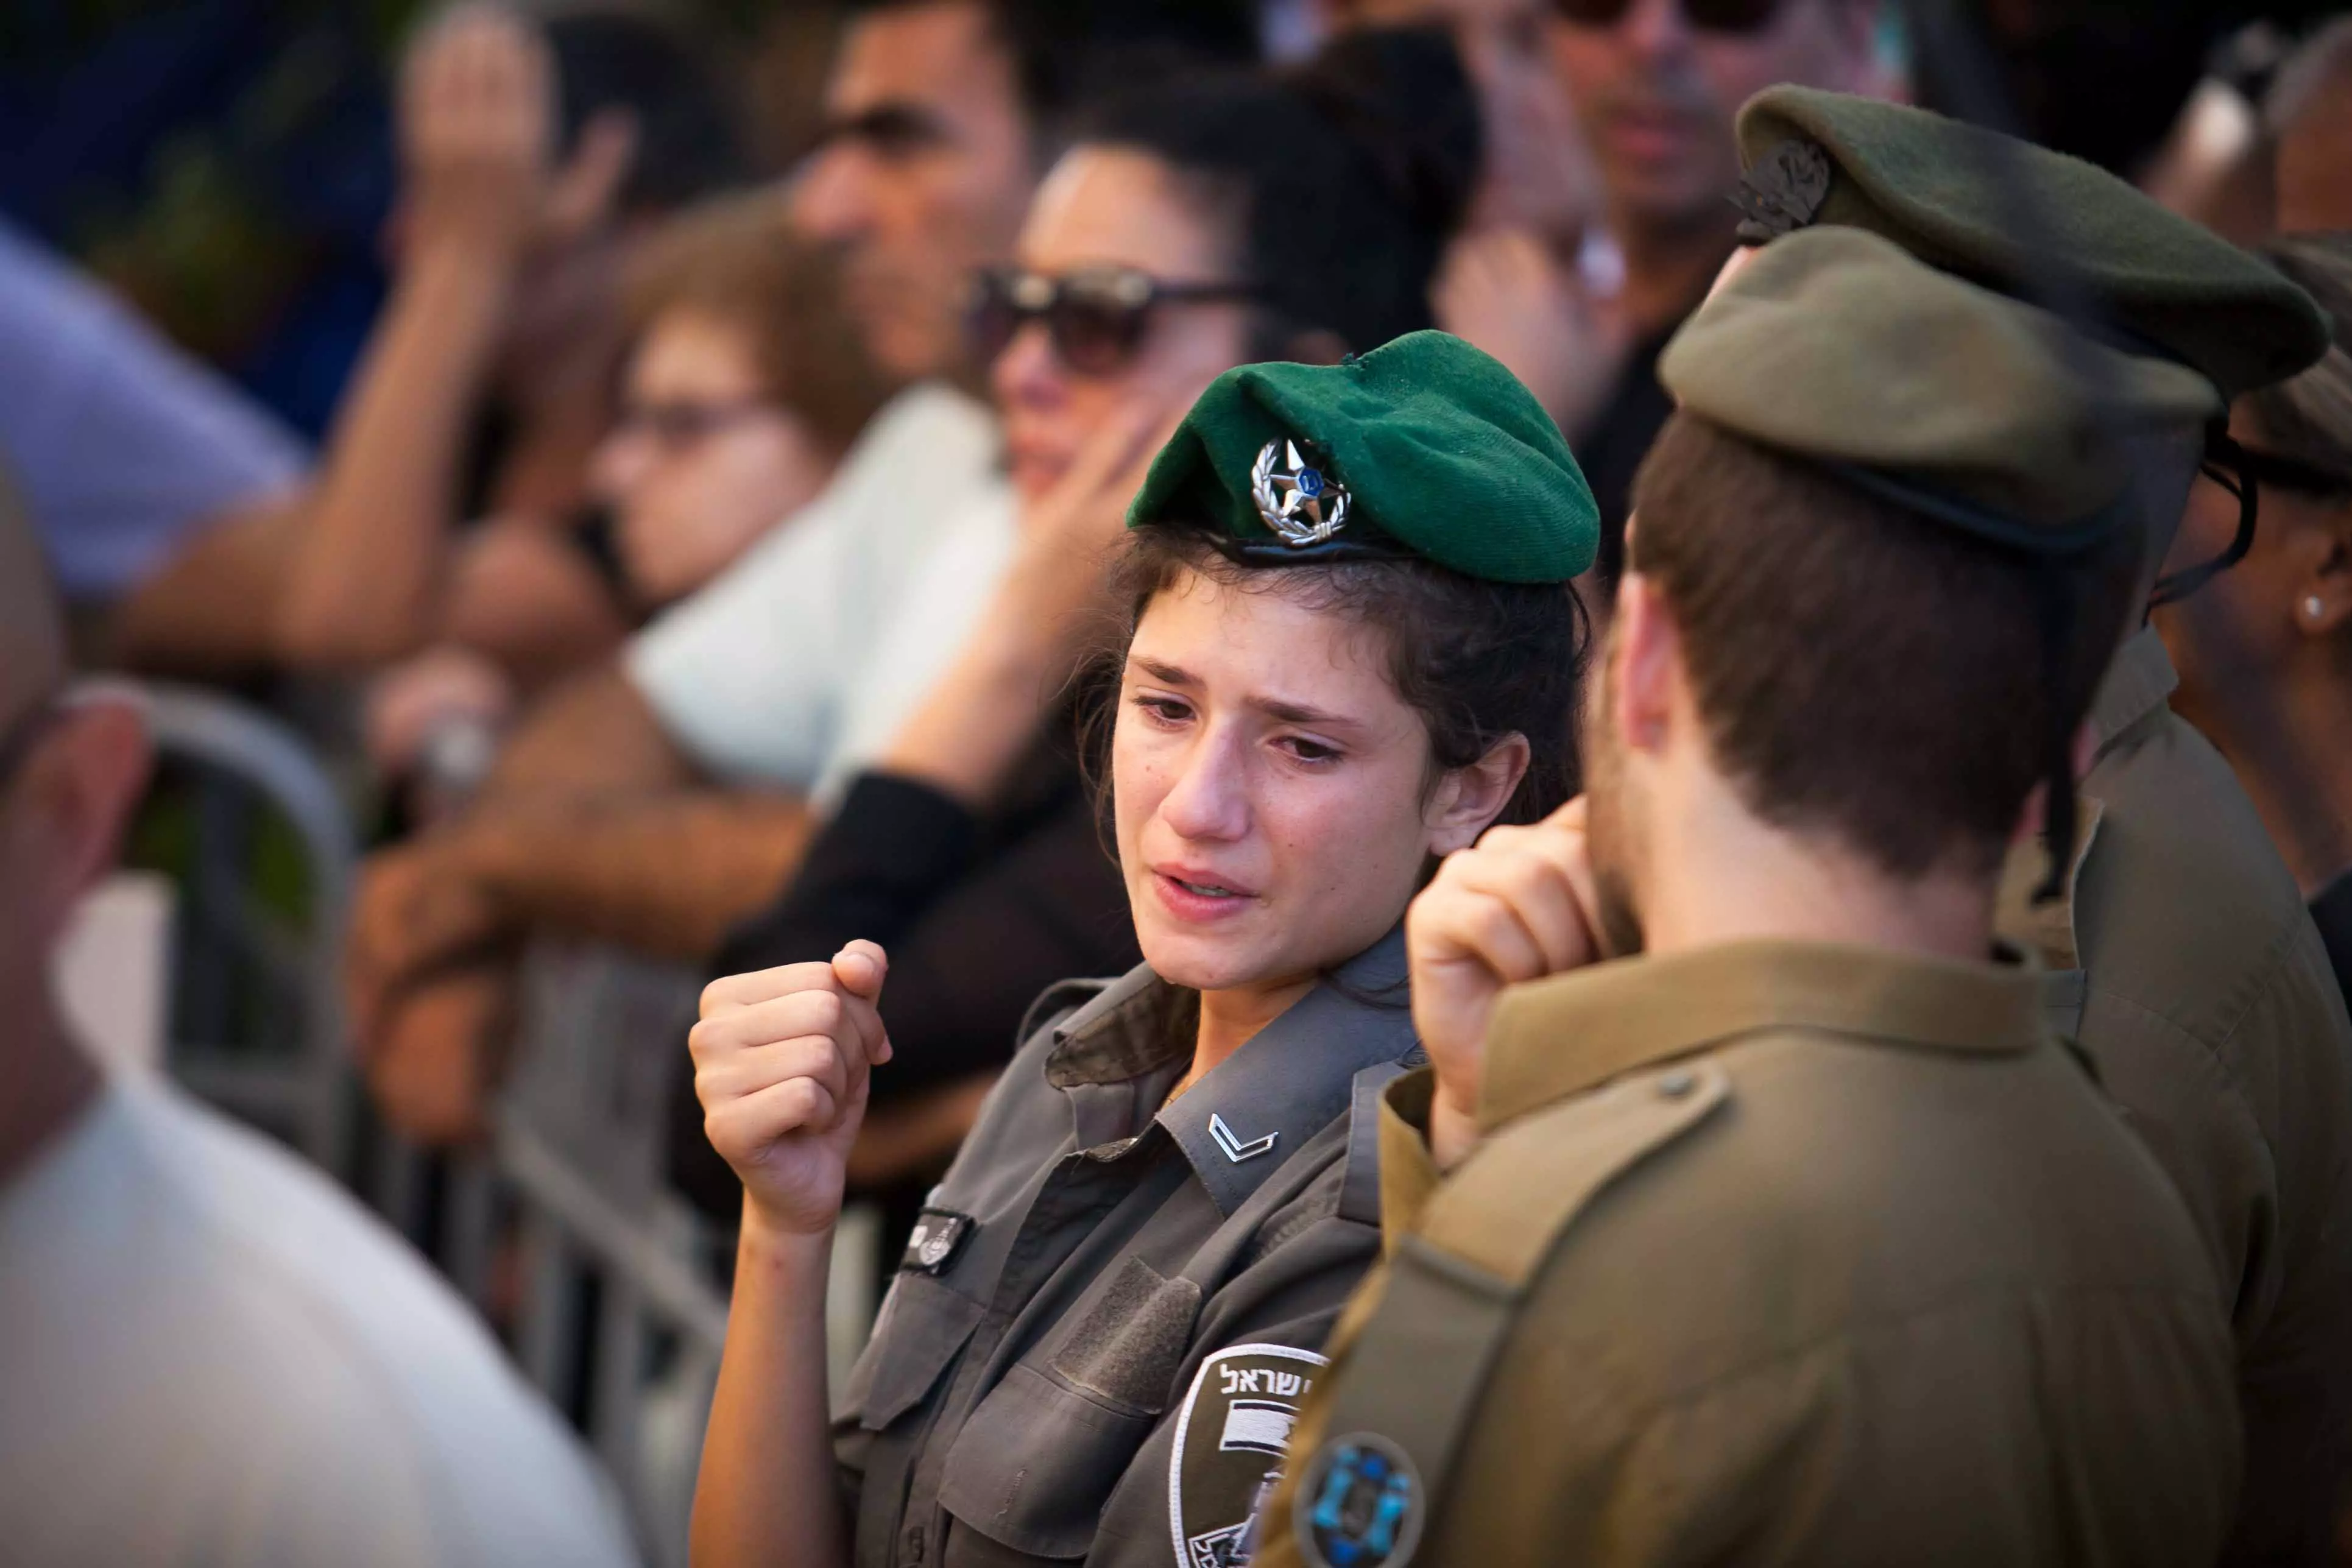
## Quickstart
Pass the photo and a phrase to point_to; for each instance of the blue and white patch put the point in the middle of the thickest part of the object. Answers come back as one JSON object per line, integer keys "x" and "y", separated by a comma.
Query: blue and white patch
{"x": 1227, "y": 1456}
{"x": 1361, "y": 1504}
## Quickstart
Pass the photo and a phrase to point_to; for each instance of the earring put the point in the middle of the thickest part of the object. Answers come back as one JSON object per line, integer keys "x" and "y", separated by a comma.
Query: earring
{"x": 2313, "y": 606}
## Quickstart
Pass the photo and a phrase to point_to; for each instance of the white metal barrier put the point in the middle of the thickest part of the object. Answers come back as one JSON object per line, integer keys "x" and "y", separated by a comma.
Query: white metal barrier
{"x": 563, "y": 1231}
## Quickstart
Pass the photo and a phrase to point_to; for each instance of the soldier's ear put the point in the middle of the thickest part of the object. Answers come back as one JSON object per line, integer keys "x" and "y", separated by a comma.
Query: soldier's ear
{"x": 1649, "y": 683}
{"x": 1467, "y": 799}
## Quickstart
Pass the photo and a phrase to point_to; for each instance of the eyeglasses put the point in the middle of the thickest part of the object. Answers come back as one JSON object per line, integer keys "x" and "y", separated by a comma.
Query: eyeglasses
{"x": 1094, "y": 317}
{"x": 680, "y": 424}
{"x": 1730, "y": 16}
{"x": 2279, "y": 472}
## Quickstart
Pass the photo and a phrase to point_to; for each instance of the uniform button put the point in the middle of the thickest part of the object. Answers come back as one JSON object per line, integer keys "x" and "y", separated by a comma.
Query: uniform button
{"x": 1111, "y": 1151}
{"x": 1676, "y": 1084}
{"x": 913, "y": 1543}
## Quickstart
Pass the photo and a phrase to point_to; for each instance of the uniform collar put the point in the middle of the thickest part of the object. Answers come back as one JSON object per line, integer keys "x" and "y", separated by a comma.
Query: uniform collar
{"x": 1258, "y": 1106}
{"x": 2139, "y": 682}
{"x": 1557, "y": 1038}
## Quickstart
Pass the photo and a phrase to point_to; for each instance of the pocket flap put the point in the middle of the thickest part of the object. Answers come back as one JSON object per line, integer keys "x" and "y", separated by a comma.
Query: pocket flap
{"x": 924, "y": 1324}
{"x": 1035, "y": 1463}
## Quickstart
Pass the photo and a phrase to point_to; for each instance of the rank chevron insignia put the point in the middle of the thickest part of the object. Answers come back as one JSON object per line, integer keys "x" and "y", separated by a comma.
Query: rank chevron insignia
{"x": 1234, "y": 1148}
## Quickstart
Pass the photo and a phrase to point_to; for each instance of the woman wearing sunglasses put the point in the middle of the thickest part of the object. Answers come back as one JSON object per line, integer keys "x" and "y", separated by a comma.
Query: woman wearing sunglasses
{"x": 2264, "y": 648}
{"x": 1188, "y": 230}
{"x": 1350, "y": 647}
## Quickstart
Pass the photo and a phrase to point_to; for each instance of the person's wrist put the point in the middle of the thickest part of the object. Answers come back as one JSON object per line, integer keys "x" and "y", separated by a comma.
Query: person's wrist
{"x": 451, "y": 246}
{"x": 771, "y": 1235}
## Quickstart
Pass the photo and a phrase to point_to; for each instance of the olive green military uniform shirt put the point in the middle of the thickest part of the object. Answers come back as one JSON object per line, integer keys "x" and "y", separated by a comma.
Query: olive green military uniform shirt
{"x": 1106, "y": 1318}
{"x": 1773, "y": 1253}
{"x": 2186, "y": 964}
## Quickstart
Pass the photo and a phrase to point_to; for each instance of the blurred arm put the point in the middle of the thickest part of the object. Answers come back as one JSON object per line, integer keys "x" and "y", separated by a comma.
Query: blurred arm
{"x": 195, "y": 615}
{"x": 476, "y": 129}
{"x": 594, "y": 735}
{"x": 665, "y": 874}
{"x": 359, "y": 588}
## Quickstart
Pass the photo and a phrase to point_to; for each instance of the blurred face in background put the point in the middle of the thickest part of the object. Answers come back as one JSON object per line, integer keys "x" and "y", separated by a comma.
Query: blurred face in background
{"x": 1535, "y": 172}
{"x": 1657, "y": 84}
{"x": 2248, "y": 635}
{"x": 923, "y": 173}
{"x": 1110, "y": 226}
{"x": 702, "y": 459}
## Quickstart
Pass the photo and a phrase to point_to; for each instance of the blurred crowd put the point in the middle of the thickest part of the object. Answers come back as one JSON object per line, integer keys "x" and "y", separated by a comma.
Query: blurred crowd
{"x": 704, "y": 559}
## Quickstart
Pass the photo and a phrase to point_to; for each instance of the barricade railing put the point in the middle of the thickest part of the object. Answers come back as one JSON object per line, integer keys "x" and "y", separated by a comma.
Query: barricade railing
{"x": 561, "y": 1229}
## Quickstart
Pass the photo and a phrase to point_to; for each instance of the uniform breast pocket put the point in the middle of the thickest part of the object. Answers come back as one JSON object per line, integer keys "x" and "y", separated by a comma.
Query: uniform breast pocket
{"x": 1032, "y": 1468}
{"x": 1043, "y": 1452}
{"x": 925, "y": 1325}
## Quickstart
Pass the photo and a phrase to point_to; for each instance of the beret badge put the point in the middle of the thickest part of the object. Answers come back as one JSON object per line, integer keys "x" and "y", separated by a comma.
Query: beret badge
{"x": 1298, "y": 499}
{"x": 1783, "y": 192}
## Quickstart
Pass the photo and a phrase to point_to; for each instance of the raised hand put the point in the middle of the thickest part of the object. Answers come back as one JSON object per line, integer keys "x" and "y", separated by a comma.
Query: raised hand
{"x": 1516, "y": 906}
{"x": 782, "y": 1059}
{"x": 417, "y": 911}
{"x": 1067, "y": 531}
{"x": 1506, "y": 291}
{"x": 477, "y": 128}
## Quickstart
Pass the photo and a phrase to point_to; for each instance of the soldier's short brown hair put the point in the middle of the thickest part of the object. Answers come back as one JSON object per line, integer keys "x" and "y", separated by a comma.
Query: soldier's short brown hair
{"x": 1860, "y": 670}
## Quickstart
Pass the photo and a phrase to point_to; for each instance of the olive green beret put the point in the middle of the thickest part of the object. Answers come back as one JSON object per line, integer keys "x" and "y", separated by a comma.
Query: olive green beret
{"x": 1837, "y": 347}
{"x": 1425, "y": 443}
{"x": 1963, "y": 198}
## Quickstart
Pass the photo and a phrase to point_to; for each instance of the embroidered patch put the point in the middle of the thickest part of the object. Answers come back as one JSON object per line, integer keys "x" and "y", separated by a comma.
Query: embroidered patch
{"x": 1228, "y": 1451}
{"x": 937, "y": 1235}
{"x": 1360, "y": 1504}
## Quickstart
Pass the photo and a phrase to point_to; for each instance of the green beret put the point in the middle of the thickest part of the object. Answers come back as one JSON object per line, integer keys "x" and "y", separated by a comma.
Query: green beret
{"x": 1961, "y": 198}
{"x": 1837, "y": 347}
{"x": 1425, "y": 443}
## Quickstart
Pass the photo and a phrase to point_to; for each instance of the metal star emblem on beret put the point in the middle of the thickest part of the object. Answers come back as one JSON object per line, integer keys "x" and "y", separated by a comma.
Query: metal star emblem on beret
{"x": 1783, "y": 192}
{"x": 1299, "y": 501}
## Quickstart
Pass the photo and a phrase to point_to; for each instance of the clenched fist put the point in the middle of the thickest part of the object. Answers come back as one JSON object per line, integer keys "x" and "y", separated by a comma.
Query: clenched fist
{"x": 1516, "y": 906}
{"x": 783, "y": 1060}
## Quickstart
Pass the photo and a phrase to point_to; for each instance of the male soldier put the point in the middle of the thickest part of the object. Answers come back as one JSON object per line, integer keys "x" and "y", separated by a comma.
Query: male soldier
{"x": 2187, "y": 966}
{"x": 1799, "y": 1238}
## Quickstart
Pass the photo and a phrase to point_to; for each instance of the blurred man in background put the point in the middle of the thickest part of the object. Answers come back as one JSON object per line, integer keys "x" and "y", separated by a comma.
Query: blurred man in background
{"x": 211, "y": 1355}
{"x": 1655, "y": 84}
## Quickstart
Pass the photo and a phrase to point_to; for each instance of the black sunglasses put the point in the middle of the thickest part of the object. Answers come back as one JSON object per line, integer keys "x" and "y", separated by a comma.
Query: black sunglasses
{"x": 1094, "y": 317}
{"x": 1734, "y": 16}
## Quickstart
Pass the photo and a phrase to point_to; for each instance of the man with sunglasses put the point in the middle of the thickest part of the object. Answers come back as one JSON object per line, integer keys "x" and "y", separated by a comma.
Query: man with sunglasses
{"x": 210, "y": 1354}
{"x": 1655, "y": 84}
